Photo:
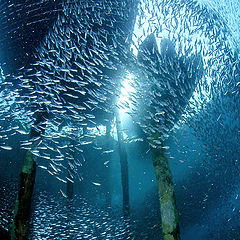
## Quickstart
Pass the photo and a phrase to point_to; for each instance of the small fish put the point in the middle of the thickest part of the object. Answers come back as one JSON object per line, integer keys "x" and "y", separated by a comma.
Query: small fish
{"x": 96, "y": 184}
{"x": 6, "y": 148}
{"x": 165, "y": 147}
{"x": 107, "y": 151}
{"x": 70, "y": 180}
{"x": 97, "y": 148}
{"x": 21, "y": 131}
{"x": 135, "y": 140}
{"x": 43, "y": 167}
{"x": 219, "y": 117}
{"x": 60, "y": 179}
{"x": 64, "y": 195}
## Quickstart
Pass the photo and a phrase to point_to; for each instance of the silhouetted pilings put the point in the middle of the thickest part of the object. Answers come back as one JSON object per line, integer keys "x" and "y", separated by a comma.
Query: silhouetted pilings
{"x": 124, "y": 167}
{"x": 70, "y": 180}
{"x": 22, "y": 210}
{"x": 107, "y": 177}
{"x": 70, "y": 187}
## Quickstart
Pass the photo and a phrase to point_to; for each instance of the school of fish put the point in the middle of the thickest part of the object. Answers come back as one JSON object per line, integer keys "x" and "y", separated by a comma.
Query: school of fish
{"x": 183, "y": 66}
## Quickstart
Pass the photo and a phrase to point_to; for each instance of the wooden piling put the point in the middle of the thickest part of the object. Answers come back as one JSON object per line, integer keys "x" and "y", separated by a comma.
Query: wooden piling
{"x": 168, "y": 209}
{"x": 124, "y": 167}
{"x": 22, "y": 210}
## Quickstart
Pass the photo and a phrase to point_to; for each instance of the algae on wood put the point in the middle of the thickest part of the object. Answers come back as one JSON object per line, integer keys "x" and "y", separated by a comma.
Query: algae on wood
{"x": 169, "y": 215}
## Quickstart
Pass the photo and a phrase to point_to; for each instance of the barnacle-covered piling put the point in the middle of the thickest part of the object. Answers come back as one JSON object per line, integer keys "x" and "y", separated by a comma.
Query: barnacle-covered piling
{"x": 168, "y": 209}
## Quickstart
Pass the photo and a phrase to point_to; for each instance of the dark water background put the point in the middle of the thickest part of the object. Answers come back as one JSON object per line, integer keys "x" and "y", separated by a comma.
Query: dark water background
{"x": 207, "y": 199}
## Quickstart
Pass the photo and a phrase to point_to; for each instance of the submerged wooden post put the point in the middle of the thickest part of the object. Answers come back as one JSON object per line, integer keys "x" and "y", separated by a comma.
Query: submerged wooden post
{"x": 69, "y": 187}
{"x": 168, "y": 209}
{"x": 22, "y": 209}
{"x": 70, "y": 180}
{"x": 107, "y": 180}
{"x": 124, "y": 167}
{"x": 24, "y": 198}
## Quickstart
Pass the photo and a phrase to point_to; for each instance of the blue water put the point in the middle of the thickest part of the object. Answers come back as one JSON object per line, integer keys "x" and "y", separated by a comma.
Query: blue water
{"x": 78, "y": 59}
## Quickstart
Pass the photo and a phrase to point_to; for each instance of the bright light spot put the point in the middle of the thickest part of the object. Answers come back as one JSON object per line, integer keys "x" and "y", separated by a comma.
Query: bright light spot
{"x": 114, "y": 132}
{"x": 100, "y": 130}
{"x": 124, "y": 101}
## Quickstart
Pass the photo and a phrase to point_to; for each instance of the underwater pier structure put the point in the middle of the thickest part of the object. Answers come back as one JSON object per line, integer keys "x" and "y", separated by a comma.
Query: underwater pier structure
{"x": 22, "y": 210}
{"x": 167, "y": 200}
{"x": 23, "y": 203}
{"x": 75, "y": 56}
{"x": 124, "y": 167}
